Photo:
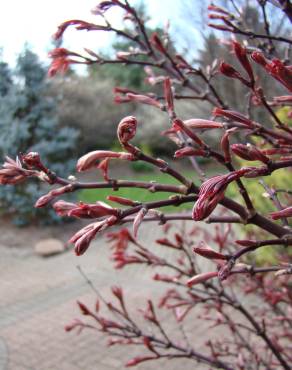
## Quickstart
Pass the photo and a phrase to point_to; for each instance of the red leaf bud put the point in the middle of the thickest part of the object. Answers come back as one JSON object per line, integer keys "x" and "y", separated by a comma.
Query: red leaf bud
{"x": 127, "y": 129}
{"x": 157, "y": 43}
{"x": 241, "y": 54}
{"x": 246, "y": 243}
{"x": 273, "y": 151}
{"x": 121, "y": 200}
{"x": 45, "y": 199}
{"x": 89, "y": 160}
{"x": 259, "y": 58}
{"x": 137, "y": 360}
{"x": 166, "y": 242}
{"x": 104, "y": 167}
{"x": 249, "y": 153}
{"x": 118, "y": 292}
{"x": 144, "y": 99}
{"x": 212, "y": 192}
{"x": 95, "y": 210}
{"x": 201, "y": 278}
{"x": 228, "y": 71}
{"x": 202, "y": 123}
{"x": 123, "y": 90}
{"x": 287, "y": 212}
{"x": 208, "y": 252}
{"x": 138, "y": 220}
{"x": 188, "y": 151}
{"x": 13, "y": 173}
{"x": 33, "y": 160}
{"x": 283, "y": 99}
{"x": 225, "y": 145}
{"x": 62, "y": 208}
{"x": 83, "y": 237}
{"x": 225, "y": 270}
{"x": 83, "y": 308}
{"x": 168, "y": 96}
{"x": 256, "y": 172}
{"x": 233, "y": 115}
{"x": 275, "y": 68}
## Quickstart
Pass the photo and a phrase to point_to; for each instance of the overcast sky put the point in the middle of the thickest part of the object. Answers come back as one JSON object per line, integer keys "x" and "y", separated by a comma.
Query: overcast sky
{"x": 34, "y": 21}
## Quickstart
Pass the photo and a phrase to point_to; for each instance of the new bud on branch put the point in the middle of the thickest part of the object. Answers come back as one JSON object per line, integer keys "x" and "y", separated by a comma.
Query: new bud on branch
{"x": 84, "y": 210}
{"x": 209, "y": 253}
{"x": 212, "y": 192}
{"x": 90, "y": 159}
{"x": 275, "y": 68}
{"x": 201, "y": 278}
{"x": 127, "y": 130}
{"x": 228, "y": 71}
{"x": 287, "y": 212}
{"x": 241, "y": 54}
{"x": 45, "y": 199}
{"x": 83, "y": 237}
{"x": 13, "y": 173}
{"x": 249, "y": 152}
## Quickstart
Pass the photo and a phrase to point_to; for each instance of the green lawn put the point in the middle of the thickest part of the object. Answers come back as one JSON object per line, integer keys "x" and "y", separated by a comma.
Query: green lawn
{"x": 143, "y": 195}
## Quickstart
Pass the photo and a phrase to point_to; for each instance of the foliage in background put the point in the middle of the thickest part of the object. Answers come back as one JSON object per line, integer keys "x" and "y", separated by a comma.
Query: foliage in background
{"x": 28, "y": 120}
{"x": 86, "y": 103}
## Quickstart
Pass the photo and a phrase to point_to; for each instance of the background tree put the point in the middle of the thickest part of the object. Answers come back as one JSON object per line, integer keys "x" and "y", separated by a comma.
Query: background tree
{"x": 28, "y": 120}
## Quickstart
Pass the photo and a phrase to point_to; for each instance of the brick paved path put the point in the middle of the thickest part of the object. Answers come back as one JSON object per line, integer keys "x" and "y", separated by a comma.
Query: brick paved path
{"x": 38, "y": 297}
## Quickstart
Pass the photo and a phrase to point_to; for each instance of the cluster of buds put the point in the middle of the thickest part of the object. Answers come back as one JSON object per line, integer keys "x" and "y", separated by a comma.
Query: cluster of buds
{"x": 249, "y": 152}
{"x": 275, "y": 68}
{"x": 33, "y": 161}
{"x": 61, "y": 60}
{"x": 218, "y": 13}
{"x": 84, "y": 210}
{"x": 121, "y": 239}
{"x": 84, "y": 237}
{"x": 79, "y": 25}
{"x": 13, "y": 173}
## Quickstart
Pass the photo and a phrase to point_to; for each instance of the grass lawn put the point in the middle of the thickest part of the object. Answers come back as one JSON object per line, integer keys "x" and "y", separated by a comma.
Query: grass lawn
{"x": 143, "y": 195}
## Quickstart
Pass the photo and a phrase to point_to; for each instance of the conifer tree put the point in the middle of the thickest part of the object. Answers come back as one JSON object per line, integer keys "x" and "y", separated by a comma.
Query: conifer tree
{"x": 28, "y": 120}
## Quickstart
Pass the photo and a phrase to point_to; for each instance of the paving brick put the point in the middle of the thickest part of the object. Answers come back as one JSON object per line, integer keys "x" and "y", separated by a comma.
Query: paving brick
{"x": 39, "y": 298}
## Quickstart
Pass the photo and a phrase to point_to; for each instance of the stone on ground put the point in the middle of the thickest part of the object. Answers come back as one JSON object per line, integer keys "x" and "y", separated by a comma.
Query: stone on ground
{"x": 49, "y": 247}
